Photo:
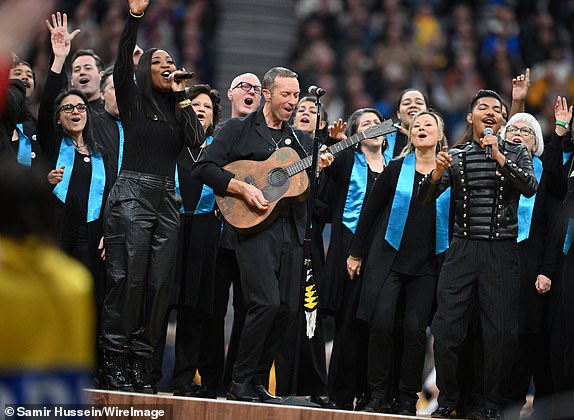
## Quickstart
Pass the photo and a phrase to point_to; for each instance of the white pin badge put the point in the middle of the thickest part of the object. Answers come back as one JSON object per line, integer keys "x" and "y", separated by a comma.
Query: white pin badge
{"x": 86, "y": 159}
{"x": 287, "y": 141}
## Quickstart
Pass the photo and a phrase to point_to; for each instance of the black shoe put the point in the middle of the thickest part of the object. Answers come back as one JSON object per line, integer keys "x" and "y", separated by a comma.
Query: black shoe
{"x": 444, "y": 412}
{"x": 493, "y": 414}
{"x": 265, "y": 396}
{"x": 186, "y": 390}
{"x": 204, "y": 392}
{"x": 334, "y": 405}
{"x": 373, "y": 406}
{"x": 408, "y": 408}
{"x": 113, "y": 373}
{"x": 362, "y": 401}
{"x": 135, "y": 370}
{"x": 242, "y": 392}
{"x": 322, "y": 400}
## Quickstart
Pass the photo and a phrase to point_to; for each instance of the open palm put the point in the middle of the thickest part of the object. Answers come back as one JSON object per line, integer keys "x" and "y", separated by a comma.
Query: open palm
{"x": 59, "y": 35}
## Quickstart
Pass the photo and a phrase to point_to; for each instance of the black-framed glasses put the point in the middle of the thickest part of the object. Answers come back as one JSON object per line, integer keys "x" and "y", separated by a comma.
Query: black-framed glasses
{"x": 69, "y": 108}
{"x": 525, "y": 131}
{"x": 246, "y": 87}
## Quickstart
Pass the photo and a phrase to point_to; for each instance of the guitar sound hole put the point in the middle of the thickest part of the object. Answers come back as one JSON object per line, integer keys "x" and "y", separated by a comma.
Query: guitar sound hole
{"x": 277, "y": 177}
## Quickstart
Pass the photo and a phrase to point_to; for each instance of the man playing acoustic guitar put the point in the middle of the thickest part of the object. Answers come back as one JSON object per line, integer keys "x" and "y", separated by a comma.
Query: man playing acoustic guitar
{"x": 270, "y": 255}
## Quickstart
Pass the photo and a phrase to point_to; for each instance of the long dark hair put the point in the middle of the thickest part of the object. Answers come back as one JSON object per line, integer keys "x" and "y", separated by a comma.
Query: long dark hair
{"x": 143, "y": 81}
{"x": 213, "y": 94}
{"x": 87, "y": 131}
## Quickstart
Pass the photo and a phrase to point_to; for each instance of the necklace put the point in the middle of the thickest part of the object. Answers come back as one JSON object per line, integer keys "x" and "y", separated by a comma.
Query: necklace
{"x": 277, "y": 142}
{"x": 195, "y": 159}
{"x": 81, "y": 148}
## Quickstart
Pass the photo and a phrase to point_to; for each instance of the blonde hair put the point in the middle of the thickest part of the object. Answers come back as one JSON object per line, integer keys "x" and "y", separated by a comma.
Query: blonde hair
{"x": 410, "y": 147}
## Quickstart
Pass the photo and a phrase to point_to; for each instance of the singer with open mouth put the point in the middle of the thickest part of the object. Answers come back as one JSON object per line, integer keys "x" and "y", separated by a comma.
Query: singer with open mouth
{"x": 142, "y": 212}
{"x": 481, "y": 267}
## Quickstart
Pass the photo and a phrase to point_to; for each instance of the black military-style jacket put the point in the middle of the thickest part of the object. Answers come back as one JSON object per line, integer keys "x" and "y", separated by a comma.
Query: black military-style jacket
{"x": 485, "y": 194}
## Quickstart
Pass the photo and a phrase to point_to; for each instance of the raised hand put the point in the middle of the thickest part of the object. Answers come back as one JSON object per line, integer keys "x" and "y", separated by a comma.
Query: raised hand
{"x": 520, "y": 85}
{"x": 443, "y": 160}
{"x": 561, "y": 110}
{"x": 137, "y": 7}
{"x": 337, "y": 130}
{"x": 59, "y": 36}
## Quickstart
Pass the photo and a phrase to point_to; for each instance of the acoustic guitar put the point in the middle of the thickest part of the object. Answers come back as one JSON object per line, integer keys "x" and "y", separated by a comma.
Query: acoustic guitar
{"x": 281, "y": 178}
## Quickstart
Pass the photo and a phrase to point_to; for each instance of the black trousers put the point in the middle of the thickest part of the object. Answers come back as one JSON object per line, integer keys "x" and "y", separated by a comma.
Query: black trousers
{"x": 418, "y": 296}
{"x": 141, "y": 241}
{"x": 483, "y": 272}
{"x": 347, "y": 376}
{"x": 300, "y": 364}
{"x": 214, "y": 366}
{"x": 271, "y": 264}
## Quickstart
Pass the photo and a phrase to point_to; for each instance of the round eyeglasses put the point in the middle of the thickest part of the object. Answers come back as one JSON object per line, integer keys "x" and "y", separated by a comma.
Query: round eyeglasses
{"x": 525, "y": 131}
{"x": 246, "y": 87}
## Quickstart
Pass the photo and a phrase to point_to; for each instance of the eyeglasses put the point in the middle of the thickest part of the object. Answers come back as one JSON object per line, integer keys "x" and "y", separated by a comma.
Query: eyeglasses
{"x": 525, "y": 131}
{"x": 246, "y": 87}
{"x": 69, "y": 108}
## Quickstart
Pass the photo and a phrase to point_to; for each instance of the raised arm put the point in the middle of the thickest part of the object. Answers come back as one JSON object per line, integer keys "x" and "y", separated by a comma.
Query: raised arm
{"x": 56, "y": 81}
{"x": 124, "y": 67}
{"x": 520, "y": 85}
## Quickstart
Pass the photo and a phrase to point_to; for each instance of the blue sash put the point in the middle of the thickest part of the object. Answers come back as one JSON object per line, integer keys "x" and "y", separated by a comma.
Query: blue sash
{"x": 356, "y": 192}
{"x": 526, "y": 205}
{"x": 66, "y": 158}
{"x": 442, "y": 221}
{"x": 566, "y": 156}
{"x": 120, "y": 145}
{"x": 569, "y": 236}
{"x": 24, "y": 147}
{"x": 402, "y": 202}
{"x": 391, "y": 141}
{"x": 206, "y": 202}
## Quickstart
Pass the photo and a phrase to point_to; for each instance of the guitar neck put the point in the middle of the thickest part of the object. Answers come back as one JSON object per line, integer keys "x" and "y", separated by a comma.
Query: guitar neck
{"x": 305, "y": 163}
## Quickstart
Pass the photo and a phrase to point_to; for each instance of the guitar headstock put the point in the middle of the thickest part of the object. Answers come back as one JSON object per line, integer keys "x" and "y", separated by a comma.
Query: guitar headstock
{"x": 381, "y": 129}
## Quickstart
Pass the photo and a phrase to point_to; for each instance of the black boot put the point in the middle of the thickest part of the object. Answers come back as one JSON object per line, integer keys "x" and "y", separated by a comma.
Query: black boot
{"x": 113, "y": 374}
{"x": 136, "y": 373}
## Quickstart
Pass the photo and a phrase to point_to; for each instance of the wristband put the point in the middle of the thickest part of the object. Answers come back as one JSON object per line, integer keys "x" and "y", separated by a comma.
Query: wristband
{"x": 183, "y": 104}
{"x": 562, "y": 123}
{"x": 137, "y": 16}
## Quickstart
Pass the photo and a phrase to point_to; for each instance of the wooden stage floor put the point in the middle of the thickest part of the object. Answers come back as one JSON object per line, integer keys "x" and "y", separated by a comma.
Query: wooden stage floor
{"x": 180, "y": 408}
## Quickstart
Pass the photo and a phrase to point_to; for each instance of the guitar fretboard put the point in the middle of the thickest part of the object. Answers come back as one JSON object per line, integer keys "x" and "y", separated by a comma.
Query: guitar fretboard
{"x": 305, "y": 163}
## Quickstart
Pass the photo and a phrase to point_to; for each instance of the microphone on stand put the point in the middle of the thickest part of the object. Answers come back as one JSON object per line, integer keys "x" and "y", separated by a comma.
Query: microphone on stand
{"x": 316, "y": 91}
{"x": 488, "y": 149}
{"x": 186, "y": 75}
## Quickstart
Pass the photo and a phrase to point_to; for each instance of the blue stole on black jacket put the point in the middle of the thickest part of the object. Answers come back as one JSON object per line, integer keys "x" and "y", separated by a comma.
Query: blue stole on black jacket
{"x": 206, "y": 202}
{"x": 24, "y": 147}
{"x": 66, "y": 158}
{"x": 356, "y": 192}
{"x": 526, "y": 205}
{"x": 570, "y": 230}
{"x": 391, "y": 142}
{"x": 402, "y": 202}
{"x": 121, "y": 144}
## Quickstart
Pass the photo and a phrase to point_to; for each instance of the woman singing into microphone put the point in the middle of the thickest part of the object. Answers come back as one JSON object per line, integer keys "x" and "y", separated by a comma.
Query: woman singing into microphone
{"x": 141, "y": 231}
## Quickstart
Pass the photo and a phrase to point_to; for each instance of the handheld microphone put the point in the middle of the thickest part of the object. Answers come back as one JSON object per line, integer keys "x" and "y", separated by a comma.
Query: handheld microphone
{"x": 488, "y": 149}
{"x": 186, "y": 75}
{"x": 316, "y": 91}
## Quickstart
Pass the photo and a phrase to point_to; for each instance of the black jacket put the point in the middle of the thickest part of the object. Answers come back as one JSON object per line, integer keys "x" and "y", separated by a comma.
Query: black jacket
{"x": 485, "y": 194}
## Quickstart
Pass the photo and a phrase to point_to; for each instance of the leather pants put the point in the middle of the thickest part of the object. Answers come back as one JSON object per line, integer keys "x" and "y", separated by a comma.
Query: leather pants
{"x": 141, "y": 240}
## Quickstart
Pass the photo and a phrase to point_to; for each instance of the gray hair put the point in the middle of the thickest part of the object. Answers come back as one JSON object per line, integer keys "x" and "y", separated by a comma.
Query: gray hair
{"x": 529, "y": 119}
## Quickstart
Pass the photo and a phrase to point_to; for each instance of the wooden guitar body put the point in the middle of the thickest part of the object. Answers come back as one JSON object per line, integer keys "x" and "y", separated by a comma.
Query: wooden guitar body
{"x": 271, "y": 177}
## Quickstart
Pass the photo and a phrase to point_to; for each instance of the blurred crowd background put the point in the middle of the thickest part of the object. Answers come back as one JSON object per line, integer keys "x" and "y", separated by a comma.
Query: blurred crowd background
{"x": 364, "y": 52}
